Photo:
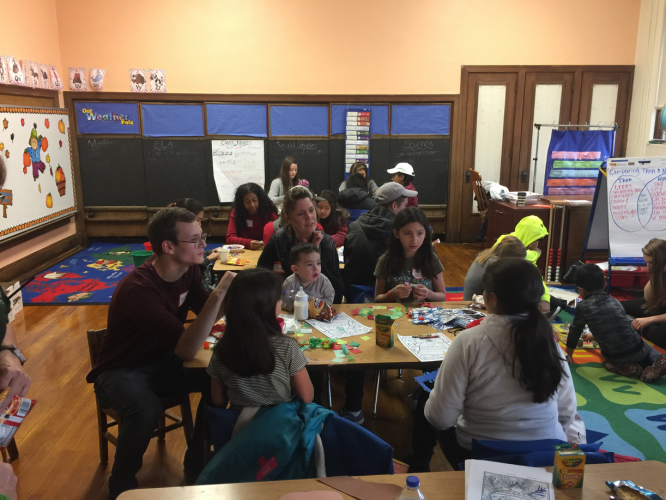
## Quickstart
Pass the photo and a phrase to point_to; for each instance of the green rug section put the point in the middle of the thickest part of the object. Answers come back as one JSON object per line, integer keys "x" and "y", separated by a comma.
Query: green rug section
{"x": 630, "y": 412}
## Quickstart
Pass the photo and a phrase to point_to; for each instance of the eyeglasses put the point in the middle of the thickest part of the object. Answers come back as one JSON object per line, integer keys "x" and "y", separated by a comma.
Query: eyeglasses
{"x": 198, "y": 241}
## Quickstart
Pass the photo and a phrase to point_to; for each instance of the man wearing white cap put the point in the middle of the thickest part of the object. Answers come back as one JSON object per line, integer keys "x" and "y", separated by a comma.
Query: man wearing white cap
{"x": 403, "y": 173}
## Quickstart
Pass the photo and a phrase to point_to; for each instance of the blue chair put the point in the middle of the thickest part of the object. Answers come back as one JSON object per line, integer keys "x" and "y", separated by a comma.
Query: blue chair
{"x": 370, "y": 455}
{"x": 355, "y": 213}
{"x": 538, "y": 453}
{"x": 360, "y": 294}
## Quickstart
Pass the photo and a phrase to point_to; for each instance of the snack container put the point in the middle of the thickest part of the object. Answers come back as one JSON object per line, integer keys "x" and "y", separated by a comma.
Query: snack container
{"x": 384, "y": 330}
{"x": 569, "y": 469}
{"x": 626, "y": 490}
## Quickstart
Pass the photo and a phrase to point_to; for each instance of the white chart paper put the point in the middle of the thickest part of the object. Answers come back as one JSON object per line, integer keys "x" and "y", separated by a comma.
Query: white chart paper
{"x": 237, "y": 162}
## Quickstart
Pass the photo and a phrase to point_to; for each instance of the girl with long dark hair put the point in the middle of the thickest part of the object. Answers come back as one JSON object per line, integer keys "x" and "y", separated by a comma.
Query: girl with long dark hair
{"x": 410, "y": 271}
{"x": 253, "y": 209}
{"x": 287, "y": 179}
{"x": 333, "y": 219}
{"x": 360, "y": 168}
{"x": 254, "y": 364}
{"x": 505, "y": 379}
{"x": 650, "y": 311}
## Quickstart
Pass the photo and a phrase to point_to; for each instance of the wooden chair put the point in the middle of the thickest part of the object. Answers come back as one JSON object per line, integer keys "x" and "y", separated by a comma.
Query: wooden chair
{"x": 479, "y": 192}
{"x": 103, "y": 425}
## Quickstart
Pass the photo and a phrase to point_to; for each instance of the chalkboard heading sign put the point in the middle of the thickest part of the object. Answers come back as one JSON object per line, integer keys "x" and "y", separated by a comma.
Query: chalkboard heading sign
{"x": 107, "y": 118}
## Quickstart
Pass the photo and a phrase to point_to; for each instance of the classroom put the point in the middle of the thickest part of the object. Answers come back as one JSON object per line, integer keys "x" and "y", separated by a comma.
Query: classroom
{"x": 395, "y": 240}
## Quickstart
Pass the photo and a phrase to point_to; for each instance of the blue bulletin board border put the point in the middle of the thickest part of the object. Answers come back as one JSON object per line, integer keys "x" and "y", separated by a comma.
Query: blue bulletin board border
{"x": 420, "y": 119}
{"x": 379, "y": 125}
{"x": 250, "y": 120}
{"x": 107, "y": 118}
{"x": 172, "y": 120}
{"x": 293, "y": 121}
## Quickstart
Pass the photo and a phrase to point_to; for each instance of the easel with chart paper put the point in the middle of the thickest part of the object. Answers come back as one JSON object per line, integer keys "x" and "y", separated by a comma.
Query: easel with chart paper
{"x": 628, "y": 210}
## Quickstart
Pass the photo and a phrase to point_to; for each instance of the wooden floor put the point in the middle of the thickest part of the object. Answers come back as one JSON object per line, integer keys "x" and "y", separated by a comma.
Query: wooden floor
{"x": 59, "y": 454}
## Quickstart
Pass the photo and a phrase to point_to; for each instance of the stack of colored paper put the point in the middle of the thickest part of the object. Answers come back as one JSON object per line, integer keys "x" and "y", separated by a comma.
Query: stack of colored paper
{"x": 358, "y": 139}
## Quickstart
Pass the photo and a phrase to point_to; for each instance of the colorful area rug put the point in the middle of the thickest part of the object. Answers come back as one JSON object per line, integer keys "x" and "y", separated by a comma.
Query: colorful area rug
{"x": 88, "y": 277}
{"x": 625, "y": 415}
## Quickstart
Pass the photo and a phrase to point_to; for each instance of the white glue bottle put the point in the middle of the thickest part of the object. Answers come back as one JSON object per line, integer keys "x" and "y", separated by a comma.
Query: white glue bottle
{"x": 301, "y": 305}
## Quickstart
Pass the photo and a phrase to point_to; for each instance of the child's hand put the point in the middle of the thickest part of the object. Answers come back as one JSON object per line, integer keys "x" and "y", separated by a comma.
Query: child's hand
{"x": 420, "y": 293}
{"x": 213, "y": 256}
{"x": 401, "y": 291}
{"x": 256, "y": 245}
{"x": 570, "y": 353}
{"x": 316, "y": 238}
{"x": 588, "y": 337}
{"x": 639, "y": 323}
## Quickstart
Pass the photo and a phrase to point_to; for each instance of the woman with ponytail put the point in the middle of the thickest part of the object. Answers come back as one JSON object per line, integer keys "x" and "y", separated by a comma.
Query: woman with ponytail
{"x": 505, "y": 379}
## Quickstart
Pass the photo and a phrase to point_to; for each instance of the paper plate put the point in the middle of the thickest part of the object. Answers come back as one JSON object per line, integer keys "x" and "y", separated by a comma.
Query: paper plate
{"x": 233, "y": 247}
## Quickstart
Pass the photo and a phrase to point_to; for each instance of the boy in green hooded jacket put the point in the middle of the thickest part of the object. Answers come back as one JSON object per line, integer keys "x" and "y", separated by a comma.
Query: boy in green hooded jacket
{"x": 530, "y": 230}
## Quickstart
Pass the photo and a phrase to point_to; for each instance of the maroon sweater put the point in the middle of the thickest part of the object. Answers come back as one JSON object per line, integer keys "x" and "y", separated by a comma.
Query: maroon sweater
{"x": 253, "y": 231}
{"x": 146, "y": 317}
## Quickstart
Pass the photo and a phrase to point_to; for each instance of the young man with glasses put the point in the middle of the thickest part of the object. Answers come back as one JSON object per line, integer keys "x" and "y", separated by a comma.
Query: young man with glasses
{"x": 142, "y": 353}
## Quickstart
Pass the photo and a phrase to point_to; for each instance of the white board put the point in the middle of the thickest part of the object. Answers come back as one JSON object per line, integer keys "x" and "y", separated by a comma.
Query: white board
{"x": 598, "y": 237}
{"x": 237, "y": 162}
{"x": 636, "y": 190}
{"x": 36, "y": 197}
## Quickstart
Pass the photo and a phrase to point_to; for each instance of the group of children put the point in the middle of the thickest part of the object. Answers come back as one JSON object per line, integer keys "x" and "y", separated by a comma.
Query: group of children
{"x": 255, "y": 365}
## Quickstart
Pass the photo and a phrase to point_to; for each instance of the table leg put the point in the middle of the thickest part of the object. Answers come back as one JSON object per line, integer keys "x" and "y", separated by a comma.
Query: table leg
{"x": 374, "y": 408}
{"x": 328, "y": 388}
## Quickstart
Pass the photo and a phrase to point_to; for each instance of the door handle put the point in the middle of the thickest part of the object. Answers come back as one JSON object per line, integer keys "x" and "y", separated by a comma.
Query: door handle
{"x": 467, "y": 177}
{"x": 523, "y": 176}
{"x": 501, "y": 213}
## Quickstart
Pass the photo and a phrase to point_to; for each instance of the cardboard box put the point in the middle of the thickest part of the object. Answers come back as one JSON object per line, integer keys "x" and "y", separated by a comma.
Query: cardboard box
{"x": 15, "y": 302}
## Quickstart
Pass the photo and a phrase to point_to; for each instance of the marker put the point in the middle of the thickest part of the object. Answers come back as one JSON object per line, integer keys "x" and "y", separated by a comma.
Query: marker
{"x": 425, "y": 336}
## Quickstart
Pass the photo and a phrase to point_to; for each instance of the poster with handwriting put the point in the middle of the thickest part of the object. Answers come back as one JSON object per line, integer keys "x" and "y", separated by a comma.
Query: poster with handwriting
{"x": 237, "y": 162}
{"x": 636, "y": 203}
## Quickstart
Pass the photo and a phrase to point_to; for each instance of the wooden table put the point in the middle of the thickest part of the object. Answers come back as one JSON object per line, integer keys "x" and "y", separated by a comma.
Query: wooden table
{"x": 251, "y": 255}
{"x": 372, "y": 355}
{"x": 435, "y": 485}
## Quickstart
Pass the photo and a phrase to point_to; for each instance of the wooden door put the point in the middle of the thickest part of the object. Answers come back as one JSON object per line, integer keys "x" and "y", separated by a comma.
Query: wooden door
{"x": 604, "y": 99}
{"x": 489, "y": 130}
{"x": 548, "y": 100}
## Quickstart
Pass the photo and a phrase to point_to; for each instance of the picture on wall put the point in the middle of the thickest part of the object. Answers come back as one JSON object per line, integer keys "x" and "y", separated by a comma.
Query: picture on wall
{"x": 16, "y": 75}
{"x": 4, "y": 75}
{"x": 35, "y": 146}
{"x": 138, "y": 80}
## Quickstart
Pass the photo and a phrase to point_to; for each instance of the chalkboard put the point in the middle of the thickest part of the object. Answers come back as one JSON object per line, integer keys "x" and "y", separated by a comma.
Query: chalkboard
{"x": 176, "y": 169}
{"x": 312, "y": 158}
{"x": 430, "y": 159}
{"x": 112, "y": 172}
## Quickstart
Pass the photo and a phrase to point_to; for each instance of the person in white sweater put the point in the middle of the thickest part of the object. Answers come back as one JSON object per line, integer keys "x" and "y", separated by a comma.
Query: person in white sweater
{"x": 287, "y": 179}
{"x": 505, "y": 379}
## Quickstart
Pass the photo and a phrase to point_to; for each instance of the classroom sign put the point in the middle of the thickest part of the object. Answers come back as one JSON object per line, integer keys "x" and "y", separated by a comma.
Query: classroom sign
{"x": 35, "y": 145}
{"x": 236, "y": 162}
{"x": 107, "y": 118}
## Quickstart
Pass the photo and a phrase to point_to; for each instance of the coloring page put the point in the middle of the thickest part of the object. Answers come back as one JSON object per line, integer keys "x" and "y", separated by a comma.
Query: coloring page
{"x": 432, "y": 349}
{"x": 157, "y": 80}
{"x": 497, "y": 481}
{"x": 505, "y": 487}
{"x": 97, "y": 78}
{"x": 138, "y": 80}
{"x": 340, "y": 327}
{"x": 44, "y": 73}
{"x": 4, "y": 75}
{"x": 34, "y": 78}
{"x": 16, "y": 75}
{"x": 56, "y": 82}
{"x": 77, "y": 79}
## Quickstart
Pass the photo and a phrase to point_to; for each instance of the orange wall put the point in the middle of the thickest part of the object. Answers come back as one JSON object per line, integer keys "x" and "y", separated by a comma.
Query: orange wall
{"x": 309, "y": 46}
{"x": 30, "y": 31}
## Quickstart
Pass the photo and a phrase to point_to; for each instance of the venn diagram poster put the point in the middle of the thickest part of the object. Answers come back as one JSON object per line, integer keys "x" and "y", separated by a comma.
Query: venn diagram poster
{"x": 39, "y": 188}
{"x": 636, "y": 203}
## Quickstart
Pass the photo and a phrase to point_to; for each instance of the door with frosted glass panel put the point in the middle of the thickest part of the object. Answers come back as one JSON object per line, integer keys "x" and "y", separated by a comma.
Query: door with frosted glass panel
{"x": 604, "y": 99}
{"x": 548, "y": 100}
{"x": 489, "y": 131}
